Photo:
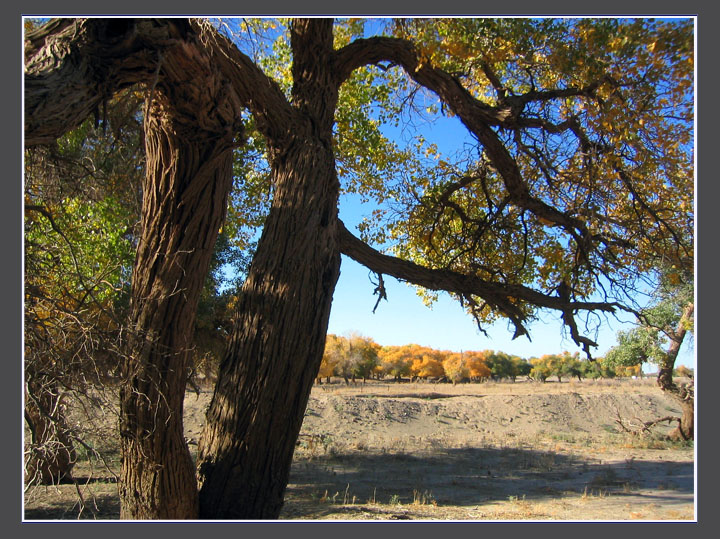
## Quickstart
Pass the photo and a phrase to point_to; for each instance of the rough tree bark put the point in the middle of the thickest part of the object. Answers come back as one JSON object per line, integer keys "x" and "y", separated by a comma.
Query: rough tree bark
{"x": 276, "y": 348}
{"x": 184, "y": 202}
{"x": 199, "y": 83}
{"x": 73, "y": 65}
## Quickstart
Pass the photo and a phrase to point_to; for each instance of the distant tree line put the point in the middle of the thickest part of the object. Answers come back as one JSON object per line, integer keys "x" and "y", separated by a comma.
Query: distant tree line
{"x": 355, "y": 357}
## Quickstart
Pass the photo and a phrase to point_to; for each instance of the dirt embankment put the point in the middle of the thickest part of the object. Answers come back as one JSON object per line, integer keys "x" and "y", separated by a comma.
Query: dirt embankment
{"x": 493, "y": 451}
{"x": 503, "y": 451}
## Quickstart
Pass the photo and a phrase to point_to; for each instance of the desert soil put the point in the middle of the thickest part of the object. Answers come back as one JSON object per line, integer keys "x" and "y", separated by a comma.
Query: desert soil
{"x": 491, "y": 451}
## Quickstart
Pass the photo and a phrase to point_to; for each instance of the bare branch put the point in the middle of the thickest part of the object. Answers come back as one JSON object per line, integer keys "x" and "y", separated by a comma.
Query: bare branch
{"x": 642, "y": 427}
{"x": 379, "y": 291}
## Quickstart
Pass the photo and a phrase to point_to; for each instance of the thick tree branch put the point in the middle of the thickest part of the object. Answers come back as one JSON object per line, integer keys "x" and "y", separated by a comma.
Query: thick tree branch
{"x": 73, "y": 65}
{"x": 505, "y": 298}
{"x": 254, "y": 89}
{"x": 478, "y": 117}
{"x": 402, "y": 53}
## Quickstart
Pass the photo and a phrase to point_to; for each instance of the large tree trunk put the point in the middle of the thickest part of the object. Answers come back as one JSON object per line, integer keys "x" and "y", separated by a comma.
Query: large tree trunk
{"x": 279, "y": 336}
{"x": 276, "y": 348}
{"x": 184, "y": 200}
{"x": 190, "y": 127}
{"x": 275, "y": 353}
{"x": 277, "y": 344}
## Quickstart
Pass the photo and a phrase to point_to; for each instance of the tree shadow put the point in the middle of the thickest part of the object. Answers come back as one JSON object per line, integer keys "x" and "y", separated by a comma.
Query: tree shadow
{"x": 475, "y": 476}
{"x": 464, "y": 477}
{"x": 93, "y": 507}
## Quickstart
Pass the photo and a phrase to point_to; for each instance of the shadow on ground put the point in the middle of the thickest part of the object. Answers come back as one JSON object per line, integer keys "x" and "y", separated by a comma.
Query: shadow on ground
{"x": 95, "y": 507}
{"x": 470, "y": 477}
{"x": 467, "y": 477}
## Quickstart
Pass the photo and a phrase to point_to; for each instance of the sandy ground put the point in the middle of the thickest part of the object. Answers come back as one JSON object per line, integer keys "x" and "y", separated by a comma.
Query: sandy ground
{"x": 492, "y": 451}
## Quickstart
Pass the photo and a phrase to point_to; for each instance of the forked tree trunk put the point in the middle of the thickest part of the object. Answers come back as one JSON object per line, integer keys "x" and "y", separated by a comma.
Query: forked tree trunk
{"x": 277, "y": 343}
{"x": 184, "y": 199}
{"x": 190, "y": 128}
{"x": 279, "y": 337}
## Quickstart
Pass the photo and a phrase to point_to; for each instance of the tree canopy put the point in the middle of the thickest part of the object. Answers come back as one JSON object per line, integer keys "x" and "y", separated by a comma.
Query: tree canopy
{"x": 581, "y": 180}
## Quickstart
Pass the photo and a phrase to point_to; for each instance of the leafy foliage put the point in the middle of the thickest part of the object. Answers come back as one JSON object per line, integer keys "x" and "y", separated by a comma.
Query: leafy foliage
{"x": 81, "y": 205}
{"x": 396, "y": 361}
{"x": 595, "y": 115}
{"x": 599, "y": 125}
{"x": 350, "y": 357}
{"x": 80, "y": 210}
{"x": 593, "y": 186}
{"x": 568, "y": 365}
{"x": 648, "y": 342}
{"x": 456, "y": 368}
{"x": 503, "y": 365}
{"x": 575, "y": 186}
{"x": 356, "y": 356}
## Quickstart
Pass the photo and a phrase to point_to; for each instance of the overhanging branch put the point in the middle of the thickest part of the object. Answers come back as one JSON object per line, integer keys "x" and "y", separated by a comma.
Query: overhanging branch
{"x": 505, "y": 298}
{"x": 73, "y": 65}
